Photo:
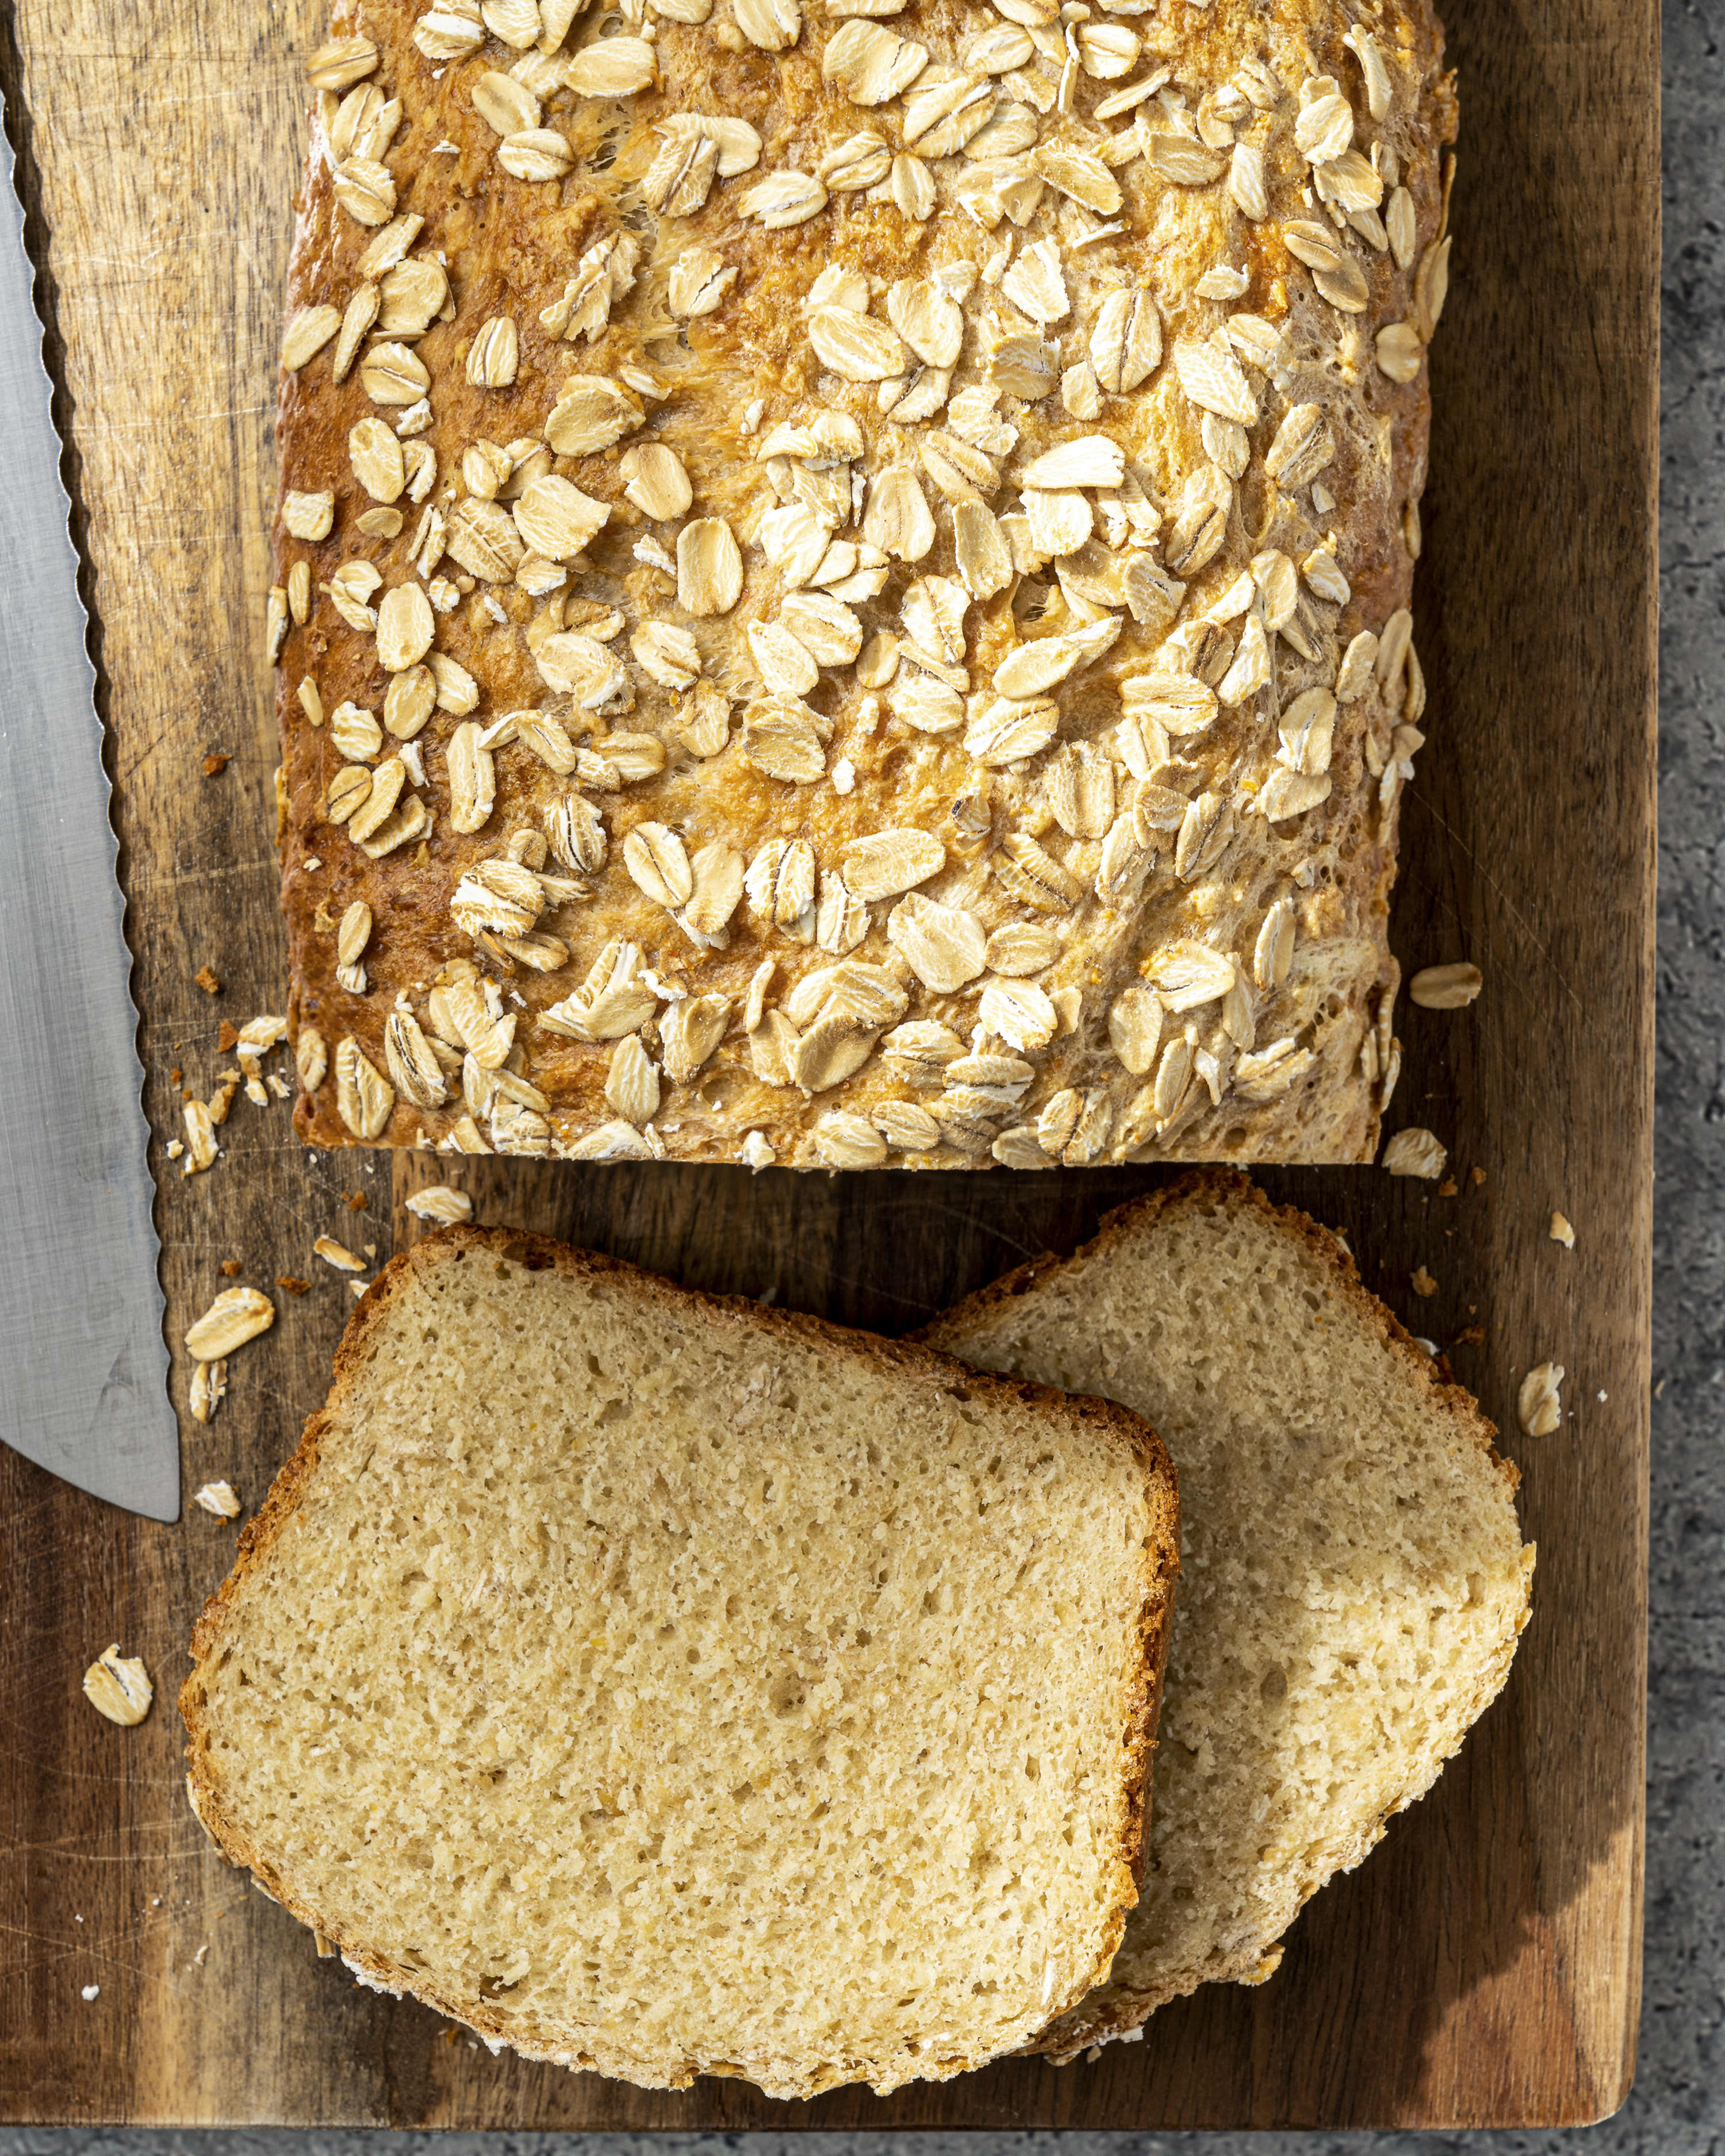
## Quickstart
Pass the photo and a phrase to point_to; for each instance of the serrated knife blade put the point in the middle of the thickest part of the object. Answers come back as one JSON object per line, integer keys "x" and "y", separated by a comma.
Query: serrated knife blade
{"x": 82, "y": 1364}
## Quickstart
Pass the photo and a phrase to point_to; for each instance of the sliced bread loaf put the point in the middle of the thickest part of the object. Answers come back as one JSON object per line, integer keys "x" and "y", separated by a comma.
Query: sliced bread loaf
{"x": 1353, "y": 1577}
{"x": 666, "y": 1686}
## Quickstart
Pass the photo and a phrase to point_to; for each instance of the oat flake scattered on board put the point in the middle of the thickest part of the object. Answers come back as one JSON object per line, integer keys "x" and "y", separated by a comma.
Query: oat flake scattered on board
{"x": 237, "y": 1315}
{"x": 119, "y": 1686}
{"x": 1537, "y": 1407}
{"x": 1415, "y": 1151}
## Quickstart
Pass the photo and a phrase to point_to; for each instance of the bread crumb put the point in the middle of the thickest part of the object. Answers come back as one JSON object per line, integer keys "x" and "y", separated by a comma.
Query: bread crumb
{"x": 1470, "y": 1335}
{"x": 1476, "y": 1176}
{"x": 356, "y": 1201}
{"x": 1562, "y": 1232}
{"x": 1424, "y": 1284}
{"x": 1448, "y": 1187}
{"x": 294, "y": 1286}
{"x": 221, "y": 1100}
{"x": 90, "y": 1992}
{"x": 227, "y": 1036}
{"x": 206, "y": 980}
{"x": 231, "y": 1267}
{"x": 215, "y": 763}
{"x": 219, "y": 1498}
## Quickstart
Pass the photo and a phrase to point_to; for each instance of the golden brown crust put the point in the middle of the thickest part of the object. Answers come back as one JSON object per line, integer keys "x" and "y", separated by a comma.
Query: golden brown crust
{"x": 511, "y": 246}
{"x": 1095, "y": 1418}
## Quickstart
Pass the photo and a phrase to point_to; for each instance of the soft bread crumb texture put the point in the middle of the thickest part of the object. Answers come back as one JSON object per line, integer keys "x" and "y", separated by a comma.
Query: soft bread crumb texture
{"x": 666, "y": 1687}
{"x": 1353, "y": 1580}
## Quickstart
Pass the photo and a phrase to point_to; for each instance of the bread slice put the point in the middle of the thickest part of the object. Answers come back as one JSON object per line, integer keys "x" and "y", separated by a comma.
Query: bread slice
{"x": 1354, "y": 1582}
{"x": 668, "y": 1687}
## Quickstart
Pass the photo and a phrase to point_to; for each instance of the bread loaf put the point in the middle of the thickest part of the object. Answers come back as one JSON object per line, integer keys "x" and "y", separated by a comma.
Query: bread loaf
{"x": 668, "y": 1687}
{"x": 1353, "y": 1584}
{"x": 842, "y": 574}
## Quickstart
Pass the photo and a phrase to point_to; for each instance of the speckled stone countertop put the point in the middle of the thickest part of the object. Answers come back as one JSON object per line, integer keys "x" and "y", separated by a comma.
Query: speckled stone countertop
{"x": 1678, "y": 2105}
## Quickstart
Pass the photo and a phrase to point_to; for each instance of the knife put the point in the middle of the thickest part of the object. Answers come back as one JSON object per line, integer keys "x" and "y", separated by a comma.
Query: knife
{"x": 83, "y": 1362}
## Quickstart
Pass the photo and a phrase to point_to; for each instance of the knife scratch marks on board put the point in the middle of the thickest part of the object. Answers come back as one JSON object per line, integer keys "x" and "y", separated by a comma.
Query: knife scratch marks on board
{"x": 218, "y": 872}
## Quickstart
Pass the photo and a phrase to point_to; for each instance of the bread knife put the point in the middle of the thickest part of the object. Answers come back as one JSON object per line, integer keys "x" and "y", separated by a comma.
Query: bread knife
{"x": 83, "y": 1362}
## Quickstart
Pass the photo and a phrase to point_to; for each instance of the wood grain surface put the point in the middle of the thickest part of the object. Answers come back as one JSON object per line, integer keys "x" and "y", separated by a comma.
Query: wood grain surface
{"x": 1483, "y": 1968}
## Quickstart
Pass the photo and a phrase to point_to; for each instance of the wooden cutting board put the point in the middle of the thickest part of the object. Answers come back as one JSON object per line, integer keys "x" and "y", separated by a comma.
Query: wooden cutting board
{"x": 1483, "y": 1968}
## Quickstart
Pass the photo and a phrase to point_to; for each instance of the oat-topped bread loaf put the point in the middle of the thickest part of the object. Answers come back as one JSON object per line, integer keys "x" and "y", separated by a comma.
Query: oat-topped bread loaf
{"x": 1354, "y": 1583}
{"x": 842, "y": 574}
{"x": 670, "y": 1686}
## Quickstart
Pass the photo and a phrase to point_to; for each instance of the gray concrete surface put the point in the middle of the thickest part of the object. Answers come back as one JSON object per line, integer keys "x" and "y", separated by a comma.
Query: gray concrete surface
{"x": 1678, "y": 2106}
